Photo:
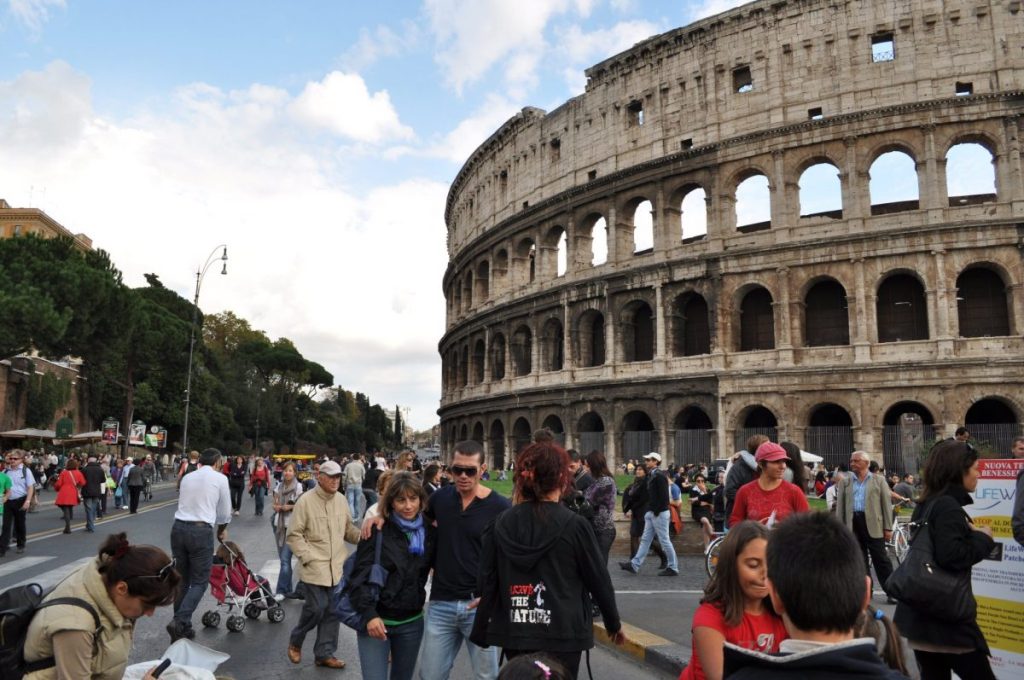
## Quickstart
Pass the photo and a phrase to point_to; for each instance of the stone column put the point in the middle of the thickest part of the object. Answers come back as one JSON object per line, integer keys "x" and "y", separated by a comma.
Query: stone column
{"x": 1015, "y": 293}
{"x": 856, "y": 196}
{"x": 1011, "y": 179}
{"x": 777, "y": 191}
{"x": 614, "y": 234}
{"x": 611, "y": 354}
{"x": 487, "y": 355}
{"x": 662, "y": 240}
{"x": 928, "y": 180}
{"x": 942, "y": 305}
{"x": 784, "y": 342}
{"x": 659, "y": 329}
{"x": 567, "y": 358}
{"x": 862, "y": 337}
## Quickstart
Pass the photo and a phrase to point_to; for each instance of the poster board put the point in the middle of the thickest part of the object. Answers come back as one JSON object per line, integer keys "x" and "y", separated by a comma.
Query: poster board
{"x": 998, "y": 581}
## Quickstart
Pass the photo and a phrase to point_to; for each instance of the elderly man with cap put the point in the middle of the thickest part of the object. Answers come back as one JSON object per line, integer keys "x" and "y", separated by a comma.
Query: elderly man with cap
{"x": 320, "y": 519}
{"x": 204, "y": 501}
{"x": 769, "y": 498}
{"x": 863, "y": 504}
{"x": 656, "y": 520}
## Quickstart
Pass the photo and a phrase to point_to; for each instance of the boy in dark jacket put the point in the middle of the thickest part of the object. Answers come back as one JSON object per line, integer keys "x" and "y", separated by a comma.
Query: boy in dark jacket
{"x": 809, "y": 554}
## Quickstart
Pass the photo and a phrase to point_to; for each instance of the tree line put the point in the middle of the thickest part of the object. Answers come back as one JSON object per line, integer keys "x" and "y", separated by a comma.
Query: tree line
{"x": 134, "y": 342}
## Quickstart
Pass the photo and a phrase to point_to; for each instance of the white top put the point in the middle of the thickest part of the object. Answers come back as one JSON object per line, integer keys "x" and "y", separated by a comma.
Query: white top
{"x": 204, "y": 497}
{"x": 21, "y": 479}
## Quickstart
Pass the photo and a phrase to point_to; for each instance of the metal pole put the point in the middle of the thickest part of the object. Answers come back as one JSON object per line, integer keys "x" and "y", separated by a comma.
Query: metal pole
{"x": 258, "y": 402}
{"x": 188, "y": 381}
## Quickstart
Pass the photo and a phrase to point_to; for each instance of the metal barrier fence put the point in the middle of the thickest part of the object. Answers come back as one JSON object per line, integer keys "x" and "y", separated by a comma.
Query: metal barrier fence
{"x": 903, "y": 447}
{"x": 691, "y": 446}
{"x": 834, "y": 443}
{"x": 744, "y": 433}
{"x": 638, "y": 443}
{"x": 591, "y": 441}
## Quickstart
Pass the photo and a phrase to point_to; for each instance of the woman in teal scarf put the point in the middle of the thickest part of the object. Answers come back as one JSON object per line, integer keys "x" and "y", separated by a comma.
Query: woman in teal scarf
{"x": 394, "y": 613}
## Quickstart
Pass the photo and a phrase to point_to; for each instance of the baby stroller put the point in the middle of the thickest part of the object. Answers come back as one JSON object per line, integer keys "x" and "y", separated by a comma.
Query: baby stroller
{"x": 237, "y": 589}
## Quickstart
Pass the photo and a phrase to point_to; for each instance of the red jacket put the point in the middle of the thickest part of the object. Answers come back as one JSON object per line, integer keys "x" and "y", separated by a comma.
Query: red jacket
{"x": 68, "y": 483}
{"x": 260, "y": 477}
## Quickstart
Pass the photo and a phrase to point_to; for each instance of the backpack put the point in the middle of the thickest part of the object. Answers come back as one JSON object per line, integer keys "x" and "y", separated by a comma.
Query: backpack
{"x": 341, "y": 603}
{"x": 17, "y": 607}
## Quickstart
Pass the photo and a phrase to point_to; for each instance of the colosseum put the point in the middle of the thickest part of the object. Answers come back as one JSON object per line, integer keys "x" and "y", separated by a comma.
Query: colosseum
{"x": 766, "y": 221}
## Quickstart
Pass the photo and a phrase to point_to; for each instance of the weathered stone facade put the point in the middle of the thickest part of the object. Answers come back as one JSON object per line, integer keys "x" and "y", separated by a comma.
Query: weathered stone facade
{"x": 804, "y": 324}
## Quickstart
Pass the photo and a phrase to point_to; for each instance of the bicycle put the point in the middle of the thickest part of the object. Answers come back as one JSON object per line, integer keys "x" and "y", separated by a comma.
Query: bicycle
{"x": 147, "y": 488}
{"x": 711, "y": 554}
{"x": 899, "y": 542}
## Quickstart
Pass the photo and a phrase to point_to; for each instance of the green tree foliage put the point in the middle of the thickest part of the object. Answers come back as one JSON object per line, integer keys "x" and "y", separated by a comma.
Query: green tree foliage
{"x": 45, "y": 394}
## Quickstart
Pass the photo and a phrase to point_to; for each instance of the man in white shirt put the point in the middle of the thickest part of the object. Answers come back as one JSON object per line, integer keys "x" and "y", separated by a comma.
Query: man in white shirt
{"x": 23, "y": 486}
{"x": 204, "y": 501}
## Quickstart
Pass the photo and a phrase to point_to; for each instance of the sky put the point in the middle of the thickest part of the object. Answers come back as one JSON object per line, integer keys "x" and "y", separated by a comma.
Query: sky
{"x": 316, "y": 139}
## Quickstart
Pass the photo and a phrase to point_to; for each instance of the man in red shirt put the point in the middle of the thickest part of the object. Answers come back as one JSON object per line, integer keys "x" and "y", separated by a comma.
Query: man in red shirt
{"x": 769, "y": 498}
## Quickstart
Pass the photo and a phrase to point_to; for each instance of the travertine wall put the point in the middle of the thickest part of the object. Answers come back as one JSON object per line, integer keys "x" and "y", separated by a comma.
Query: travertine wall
{"x": 664, "y": 119}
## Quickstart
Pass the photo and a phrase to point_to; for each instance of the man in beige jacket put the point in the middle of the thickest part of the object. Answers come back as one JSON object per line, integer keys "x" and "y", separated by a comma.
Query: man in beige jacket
{"x": 863, "y": 504}
{"x": 319, "y": 521}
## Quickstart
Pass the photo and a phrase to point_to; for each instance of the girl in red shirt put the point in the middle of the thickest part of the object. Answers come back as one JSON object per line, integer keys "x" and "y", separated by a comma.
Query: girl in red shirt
{"x": 769, "y": 498}
{"x": 735, "y": 607}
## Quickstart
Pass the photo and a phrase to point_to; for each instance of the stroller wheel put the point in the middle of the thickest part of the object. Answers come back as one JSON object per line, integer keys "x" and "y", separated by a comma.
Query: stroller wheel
{"x": 252, "y": 611}
{"x": 211, "y": 619}
{"x": 236, "y": 624}
{"x": 275, "y": 614}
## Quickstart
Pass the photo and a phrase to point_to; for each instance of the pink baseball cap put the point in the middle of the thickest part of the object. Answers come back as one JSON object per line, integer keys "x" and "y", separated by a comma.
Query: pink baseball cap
{"x": 770, "y": 451}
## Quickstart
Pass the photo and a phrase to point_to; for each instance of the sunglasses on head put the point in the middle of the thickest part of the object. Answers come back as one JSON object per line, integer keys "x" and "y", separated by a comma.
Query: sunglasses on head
{"x": 459, "y": 470}
{"x": 163, "y": 573}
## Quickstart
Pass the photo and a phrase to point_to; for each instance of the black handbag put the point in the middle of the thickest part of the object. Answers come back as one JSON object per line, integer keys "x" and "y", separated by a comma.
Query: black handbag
{"x": 927, "y": 588}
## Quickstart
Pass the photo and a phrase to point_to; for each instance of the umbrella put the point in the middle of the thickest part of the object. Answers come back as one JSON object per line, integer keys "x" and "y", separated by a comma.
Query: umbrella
{"x": 808, "y": 457}
{"x": 29, "y": 433}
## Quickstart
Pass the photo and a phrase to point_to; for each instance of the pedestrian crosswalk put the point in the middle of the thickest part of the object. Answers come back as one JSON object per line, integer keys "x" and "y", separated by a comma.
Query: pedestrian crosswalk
{"x": 46, "y": 579}
{"x": 22, "y": 563}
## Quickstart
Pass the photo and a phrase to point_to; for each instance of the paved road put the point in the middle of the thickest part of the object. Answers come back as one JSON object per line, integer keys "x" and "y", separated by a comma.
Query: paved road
{"x": 258, "y": 651}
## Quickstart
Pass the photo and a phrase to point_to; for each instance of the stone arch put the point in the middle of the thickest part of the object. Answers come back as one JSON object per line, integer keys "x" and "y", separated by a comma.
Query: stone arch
{"x": 499, "y": 272}
{"x": 994, "y": 422}
{"x": 463, "y": 432}
{"x": 830, "y": 433}
{"x": 756, "y": 320}
{"x": 483, "y": 281}
{"x": 691, "y": 325}
{"x": 525, "y": 261}
{"x": 553, "y": 423}
{"x": 901, "y": 307}
{"x": 467, "y": 291}
{"x": 591, "y": 239}
{"x": 692, "y": 202}
{"x": 498, "y": 350}
{"x": 464, "y": 366}
{"x": 820, "y": 189}
{"x": 478, "y": 433}
{"x": 552, "y": 345}
{"x": 826, "y": 314}
{"x": 522, "y": 351}
{"x": 692, "y": 431}
{"x": 456, "y": 296}
{"x": 971, "y": 171}
{"x": 497, "y": 444}
{"x": 590, "y": 339}
{"x": 641, "y": 214}
{"x": 590, "y": 429}
{"x": 637, "y": 323}
{"x": 522, "y": 434}
{"x": 983, "y": 308}
{"x": 892, "y": 414}
{"x": 893, "y": 183}
{"x": 753, "y": 201}
{"x": 756, "y": 419}
{"x": 479, "y": 352}
{"x": 555, "y": 255}
{"x": 639, "y": 436}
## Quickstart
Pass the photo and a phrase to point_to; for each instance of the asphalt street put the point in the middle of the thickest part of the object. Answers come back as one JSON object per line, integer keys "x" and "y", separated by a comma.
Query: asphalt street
{"x": 259, "y": 650}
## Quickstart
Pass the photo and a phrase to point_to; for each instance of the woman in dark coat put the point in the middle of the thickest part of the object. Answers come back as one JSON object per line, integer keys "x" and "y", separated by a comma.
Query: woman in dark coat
{"x": 949, "y": 476}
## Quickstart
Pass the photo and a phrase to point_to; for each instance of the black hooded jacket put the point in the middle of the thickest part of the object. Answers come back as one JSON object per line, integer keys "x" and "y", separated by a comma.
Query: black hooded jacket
{"x": 538, "y": 563}
{"x": 850, "y": 659}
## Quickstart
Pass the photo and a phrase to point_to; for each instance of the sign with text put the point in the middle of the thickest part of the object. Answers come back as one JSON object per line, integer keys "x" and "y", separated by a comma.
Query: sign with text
{"x": 998, "y": 580}
{"x": 111, "y": 431}
{"x": 137, "y": 434}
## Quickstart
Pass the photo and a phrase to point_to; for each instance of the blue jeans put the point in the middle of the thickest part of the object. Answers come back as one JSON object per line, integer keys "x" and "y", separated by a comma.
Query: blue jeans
{"x": 259, "y": 492}
{"x": 403, "y": 644}
{"x": 284, "y": 577}
{"x": 354, "y": 494}
{"x": 192, "y": 548}
{"x": 447, "y": 625}
{"x": 91, "y": 507}
{"x": 656, "y": 524}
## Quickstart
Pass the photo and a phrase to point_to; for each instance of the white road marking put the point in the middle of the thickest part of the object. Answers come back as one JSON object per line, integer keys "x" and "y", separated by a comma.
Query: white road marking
{"x": 49, "y": 579}
{"x": 23, "y": 563}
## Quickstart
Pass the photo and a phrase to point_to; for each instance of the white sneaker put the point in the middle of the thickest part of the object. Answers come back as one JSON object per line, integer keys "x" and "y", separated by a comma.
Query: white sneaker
{"x": 125, "y": 507}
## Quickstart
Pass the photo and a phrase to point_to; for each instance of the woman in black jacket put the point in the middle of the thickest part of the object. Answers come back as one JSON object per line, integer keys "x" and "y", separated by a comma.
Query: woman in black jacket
{"x": 539, "y": 566}
{"x": 235, "y": 471}
{"x": 940, "y": 646}
{"x": 394, "y": 616}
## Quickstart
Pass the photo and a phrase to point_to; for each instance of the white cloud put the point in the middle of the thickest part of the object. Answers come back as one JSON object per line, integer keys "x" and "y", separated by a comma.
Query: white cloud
{"x": 379, "y": 43}
{"x": 34, "y": 13}
{"x": 581, "y": 49}
{"x": 707, "y": 8}
{"x": 342, "y": 104}
{"x": 310, "y": 258}
{"x": 471, "y": 132}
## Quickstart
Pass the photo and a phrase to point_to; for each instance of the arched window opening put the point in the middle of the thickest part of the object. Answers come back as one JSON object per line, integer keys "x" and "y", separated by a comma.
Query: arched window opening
{"x": 753, "y": 204}
{"x": 758, "y": 420}
{"x": 599, "y": 242}
{"x": 500, "y": 265}
{"x": 464, "y": 367}
{"x": 498, "y": 357}
{"x": 497, "y": 445}
{"x": 826, "y": 316}
{"x": 553, "y": 345}
{"x": 993, "y": 425}
{"x": 478, "y": 363}
{"x": 692, "y": 437}
{"x": 637, "y": 332}
{"x": 522, "y": 434}
{"x": 457, "y": 298}
{"x": 467, "y": 291}
{"x": 591, "y": 432}
{"x": 830, "y": 434}
{"x": 970, "y": 174}
{"x": 757, "y": 321}
{"x": 691, "y": 331}
{"x": 981, "y": 304}
{"x": 821, "y": 192}
{"x": 643, "y": 228}
{"x": 562, "y": 255}
{"x": 463, "y": 433}
{"x": 591, "y": 339}
{"x": 483, "y": 281}
{"x": 893, "y": 184}
{"x": 901, "y": 310}
{"x": 694, "y": 214}
{"x": 554, "y": 424}
{"x": 638, "y": 435}
{"x": 908, "y": 428}
{"x": 522, "y": 351}
{"x": 526, "y": 254}
{"x": 478, "y": 433}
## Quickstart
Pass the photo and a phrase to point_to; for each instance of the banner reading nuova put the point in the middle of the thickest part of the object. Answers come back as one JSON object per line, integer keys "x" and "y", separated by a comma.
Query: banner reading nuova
{"x": 999, "y": 580}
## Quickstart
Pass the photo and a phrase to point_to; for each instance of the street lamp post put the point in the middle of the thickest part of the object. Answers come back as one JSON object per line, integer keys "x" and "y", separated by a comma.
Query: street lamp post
{"x": 259, "y": 400}
{"x": 200, "y": 275}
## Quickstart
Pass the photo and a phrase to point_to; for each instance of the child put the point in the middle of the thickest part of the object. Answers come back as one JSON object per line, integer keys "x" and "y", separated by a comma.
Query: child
{"x": 533, "y": 667}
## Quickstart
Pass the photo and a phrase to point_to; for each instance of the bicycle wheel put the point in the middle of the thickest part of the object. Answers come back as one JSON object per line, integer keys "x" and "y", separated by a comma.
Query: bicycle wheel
{"x": 900, "y": 543}
{"x": 711, "y": 559}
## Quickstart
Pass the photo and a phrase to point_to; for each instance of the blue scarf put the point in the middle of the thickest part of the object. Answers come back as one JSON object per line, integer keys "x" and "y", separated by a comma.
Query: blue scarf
{"x": 413, "y": 531}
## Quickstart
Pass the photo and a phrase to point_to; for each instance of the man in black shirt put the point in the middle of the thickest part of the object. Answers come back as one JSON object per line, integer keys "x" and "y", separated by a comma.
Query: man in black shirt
{"x": 462, "y": 511}
{"x": 656, "y": 520}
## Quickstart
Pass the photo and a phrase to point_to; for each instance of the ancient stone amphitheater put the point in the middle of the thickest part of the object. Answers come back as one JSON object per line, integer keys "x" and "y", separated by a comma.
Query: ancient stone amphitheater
{"x": 766, "y": 221}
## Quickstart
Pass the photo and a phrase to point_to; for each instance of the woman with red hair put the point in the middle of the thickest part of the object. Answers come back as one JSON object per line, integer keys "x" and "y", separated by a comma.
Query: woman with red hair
{"x": 536, "y": 598}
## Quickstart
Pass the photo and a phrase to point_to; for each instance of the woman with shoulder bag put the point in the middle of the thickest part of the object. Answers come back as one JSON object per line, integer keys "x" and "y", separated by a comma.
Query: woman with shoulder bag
{"x": 286, "y": 494}
{"x": 68, "y": 483}
{"x": 941, "y": 643}
{"x": 394, "y": 614}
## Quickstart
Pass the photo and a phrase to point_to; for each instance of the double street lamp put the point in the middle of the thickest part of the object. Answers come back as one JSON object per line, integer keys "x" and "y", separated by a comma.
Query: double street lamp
{"x": 200, "y": 275}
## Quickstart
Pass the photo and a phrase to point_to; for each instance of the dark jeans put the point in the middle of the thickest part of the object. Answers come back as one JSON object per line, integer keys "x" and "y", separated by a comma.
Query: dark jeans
{"x": 605, "y": 539}
{"x": 570, "y": 661}
{"x": 937, "y": 666}
{"x": 14, "y": 518}
{"x": 192, "y": 548}
{"x": 873, "y": 546}
{"x": 133, "y": 494}
{"x": 402, "y": 645}
{"x": 259, "y": 493}
{"x": 103, "y": 504}
{"x": 236, "y": 496}
{"x": 317, "y": 613}
{"x": 90, "y": 512}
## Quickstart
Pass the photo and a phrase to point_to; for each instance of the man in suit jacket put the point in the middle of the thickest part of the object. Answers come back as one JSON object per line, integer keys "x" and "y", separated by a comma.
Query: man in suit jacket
{"x": 863, "y": 503}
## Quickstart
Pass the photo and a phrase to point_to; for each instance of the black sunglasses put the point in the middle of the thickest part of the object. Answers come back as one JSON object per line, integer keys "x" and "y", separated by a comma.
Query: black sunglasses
{"x": 459, "y": 470}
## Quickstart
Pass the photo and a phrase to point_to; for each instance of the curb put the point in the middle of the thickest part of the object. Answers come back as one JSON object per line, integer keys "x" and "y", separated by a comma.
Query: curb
{"x": 648, "y": 648}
